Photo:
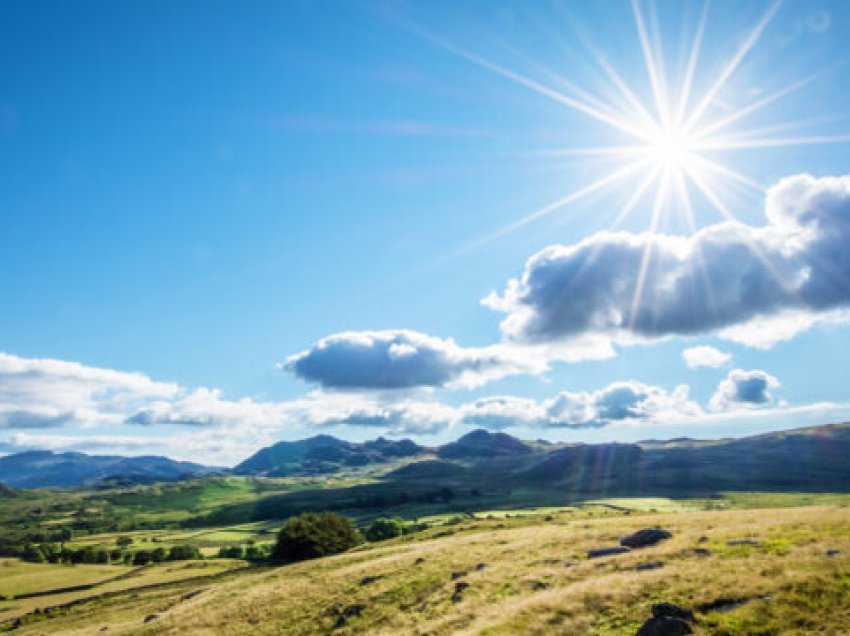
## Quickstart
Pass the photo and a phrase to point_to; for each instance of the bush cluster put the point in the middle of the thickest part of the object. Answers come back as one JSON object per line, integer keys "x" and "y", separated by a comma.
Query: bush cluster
{"x": 313, "y": 535}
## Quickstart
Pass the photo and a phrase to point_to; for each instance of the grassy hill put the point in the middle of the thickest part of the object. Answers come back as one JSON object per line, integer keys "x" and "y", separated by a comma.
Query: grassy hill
{"x": 521, "y": 574}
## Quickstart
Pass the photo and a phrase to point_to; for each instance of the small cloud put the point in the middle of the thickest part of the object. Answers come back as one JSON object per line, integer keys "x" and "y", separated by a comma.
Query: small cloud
{"x": 744, "y": 389}
{"x": 705, "y": 356}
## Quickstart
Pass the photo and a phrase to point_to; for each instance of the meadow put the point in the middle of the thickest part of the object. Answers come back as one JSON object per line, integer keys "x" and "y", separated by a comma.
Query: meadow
{"x": 504, "y": 571}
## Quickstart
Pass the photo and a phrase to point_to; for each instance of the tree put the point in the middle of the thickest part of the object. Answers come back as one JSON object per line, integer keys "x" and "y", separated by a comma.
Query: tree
{"x": 231, "y": 552}
{"x": 313, "y": 535}
{"x": 158, "y": 555}
{"x": 123, "y": 541}
{"x": 383, "y": 528}
{"x": 184, "y": 553}
{"x": 32, "y": 554}
{"x": 142, "y": 557}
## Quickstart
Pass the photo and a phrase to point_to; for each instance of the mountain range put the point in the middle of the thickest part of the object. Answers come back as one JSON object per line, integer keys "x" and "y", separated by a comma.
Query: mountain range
{"x": 807, "y": 459}
{"x": 41, "y": 468}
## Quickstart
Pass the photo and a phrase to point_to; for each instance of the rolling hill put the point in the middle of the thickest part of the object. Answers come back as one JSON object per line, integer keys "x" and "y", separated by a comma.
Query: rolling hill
{"x": 38, "y": 469}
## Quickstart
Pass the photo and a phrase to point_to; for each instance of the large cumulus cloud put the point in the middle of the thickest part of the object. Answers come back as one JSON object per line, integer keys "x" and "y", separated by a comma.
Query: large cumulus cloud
{"x": 400, "y": 359}
{"x": 783, "y": 276}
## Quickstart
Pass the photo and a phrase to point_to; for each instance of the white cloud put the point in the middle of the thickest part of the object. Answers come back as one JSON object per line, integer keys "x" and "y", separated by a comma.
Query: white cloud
{"x": 44, "y": 393}
{"x": 755, "y": 285}
{"x": 744, "y": 389}
{"x": 618, "y": 403}
{"x": 705, "y": 356}
{"x": 402, "y": 359}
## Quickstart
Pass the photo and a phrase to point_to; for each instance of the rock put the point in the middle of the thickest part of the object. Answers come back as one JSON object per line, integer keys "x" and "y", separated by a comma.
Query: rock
{"x": 480, "y": 566}
{"x": 664, "y": 627}
{"x": 458, "y": 574}
{"x": 703, "y": 552}
{"x": 104, "y": 628}
{"x": 702, "y": 539}
{"x": 742, "y": 542}
{"x": 540, "y": 585}
{"x": 728, "y": 604}
{"x": 601, "y": 552}
{"x": 649, "y": 565}
{"x": 419, "y": 561}
{"x": 353, "y": 610}
{"x": 645, "y": 537}
{"x": 829, "y": 554}
{"x": 345, "y": 612}
{"x": 668, "y": 610}
{"x": 191, "y": 595}
{"x": 460, "y": 586}
{"x": 668, "y": 620}
{"x": 366, "y": 580}
{"x": 151, "y": 617}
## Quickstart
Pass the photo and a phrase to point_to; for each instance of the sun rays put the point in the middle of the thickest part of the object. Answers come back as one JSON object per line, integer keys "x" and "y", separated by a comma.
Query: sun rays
{"x": 663, "y": 161}
{"x": 670, "y": 145}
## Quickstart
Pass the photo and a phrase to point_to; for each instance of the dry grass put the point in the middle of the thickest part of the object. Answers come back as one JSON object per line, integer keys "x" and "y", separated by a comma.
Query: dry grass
{"x": 526, "y": 586}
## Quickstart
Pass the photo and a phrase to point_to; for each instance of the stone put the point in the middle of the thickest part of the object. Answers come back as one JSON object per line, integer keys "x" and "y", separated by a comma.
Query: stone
{"x": 366, "y": 580}
{"x": 151, "y": 617}
{"x": 458, "y": 574}
{"x": 668, "y": 610}
{"x": 601, "y": 552}
{"x": 645, "y": 537}
{"x": 649, "y": 565}
{"x": 664, "y": 627}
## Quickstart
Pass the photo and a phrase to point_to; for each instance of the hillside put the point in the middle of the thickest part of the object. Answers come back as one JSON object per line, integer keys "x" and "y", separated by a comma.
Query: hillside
{"x": 323, "y": 454}
{"x": 513, "y": 575}
{"x": 38, "y": 469}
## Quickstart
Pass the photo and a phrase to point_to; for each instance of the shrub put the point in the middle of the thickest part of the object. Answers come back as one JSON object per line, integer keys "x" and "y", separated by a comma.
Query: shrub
{"x": 231, "y": 552}
{"x": 313, "y": 535}
{"x": 184, "y": 553}
{"x": 142, "y": 557}
{"x": 383, "y": 528}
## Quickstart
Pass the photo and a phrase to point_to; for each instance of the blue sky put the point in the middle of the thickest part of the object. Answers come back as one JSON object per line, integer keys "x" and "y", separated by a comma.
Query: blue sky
{"x": 222, "y": 227}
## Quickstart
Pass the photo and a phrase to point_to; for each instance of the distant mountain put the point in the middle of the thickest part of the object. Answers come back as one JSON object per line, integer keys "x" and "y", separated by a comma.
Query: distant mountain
{"x": 37, "y": 469}
{"x": 480, "y": 443}
{"x": 323, "y": 454}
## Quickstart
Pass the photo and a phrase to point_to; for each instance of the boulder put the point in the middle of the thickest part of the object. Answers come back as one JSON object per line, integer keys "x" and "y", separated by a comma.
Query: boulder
{"x": 664, "y": 627}
{"x": 601, "y": 552}
{"x": 458, "y": 575}
{"x": 645, "y": 537}
{"x": 668, "y": 610}
{"x": 151, "y": 617}
{"x": 366, "y": 580}
{"x": 460, "y": 586}
{"x": 649, "y": 565}
{"x": 668, "y": 620}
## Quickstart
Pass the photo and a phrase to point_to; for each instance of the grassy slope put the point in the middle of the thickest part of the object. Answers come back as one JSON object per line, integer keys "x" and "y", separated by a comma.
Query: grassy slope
{"x": 525, "y": 586}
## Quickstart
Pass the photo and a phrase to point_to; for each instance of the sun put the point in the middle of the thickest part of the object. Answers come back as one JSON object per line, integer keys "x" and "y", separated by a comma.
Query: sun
{"x": 671, "y": 149}
{"x": 672, "y": 139}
